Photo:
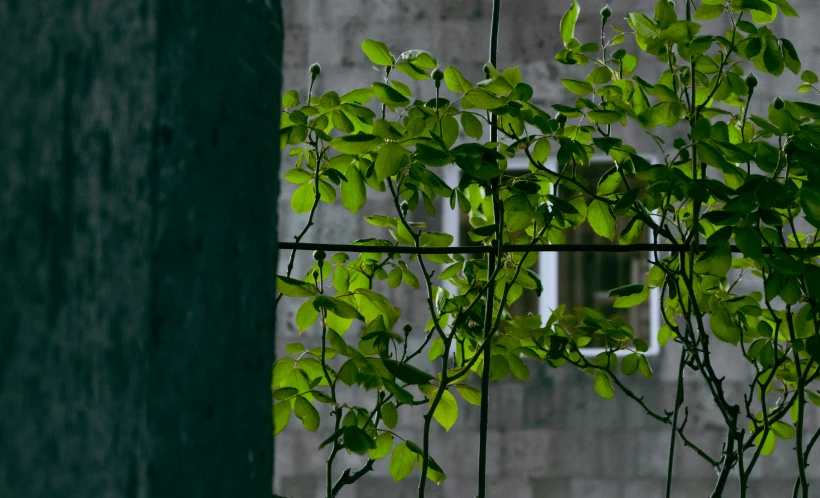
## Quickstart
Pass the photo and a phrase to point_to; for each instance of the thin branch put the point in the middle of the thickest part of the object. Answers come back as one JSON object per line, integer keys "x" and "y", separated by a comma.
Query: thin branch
{"x": 348, "y": 478}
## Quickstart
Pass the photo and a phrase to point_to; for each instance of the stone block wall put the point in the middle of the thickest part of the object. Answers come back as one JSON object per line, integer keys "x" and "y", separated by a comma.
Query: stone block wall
{"x": 552, "y": 436}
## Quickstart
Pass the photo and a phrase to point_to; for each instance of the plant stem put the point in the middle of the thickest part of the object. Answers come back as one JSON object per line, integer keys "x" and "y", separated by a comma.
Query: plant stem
{"x": 728, "y": 464}
{"x": 678, "y": 403}
{"x": 801, "y": 385}
{"x": 316, "y": 198}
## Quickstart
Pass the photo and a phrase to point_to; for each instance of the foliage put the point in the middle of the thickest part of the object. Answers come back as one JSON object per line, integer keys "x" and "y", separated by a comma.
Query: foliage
{"x": 740, "y": 182}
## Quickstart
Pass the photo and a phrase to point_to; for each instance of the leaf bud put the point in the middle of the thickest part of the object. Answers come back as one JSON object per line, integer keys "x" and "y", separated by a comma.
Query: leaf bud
{"x": 407, "y": 328}
{"x": 404, "y": 207}
{"x": 751, "y": 81}
{"x": 315, "y": 70}
{"x": 437, "y": 75}
{"x": 315, "y": 274}
{"x": 606, "y": 12}
{"x": 487, "y": 71}
{"x": 319, "y": 255}
{"x": 779, "y": 104}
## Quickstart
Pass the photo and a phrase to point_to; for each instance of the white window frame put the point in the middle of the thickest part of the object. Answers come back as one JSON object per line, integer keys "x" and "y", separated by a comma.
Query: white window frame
{"x": 548, "y": 267}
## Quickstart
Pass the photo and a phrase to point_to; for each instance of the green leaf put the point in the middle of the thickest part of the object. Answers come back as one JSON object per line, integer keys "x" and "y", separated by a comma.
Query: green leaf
{"x": 787, "y": 9}
{"x": 629, "y": 364}
{"x": 285, "y": 393}
{"x": 603, "y": 117}
{"x": 749, "y": 242}
{"x": 354, "y": 192}
{"x": 434, "y": 471}
{"x": 809, "y": 77}
{"x": 517, "y": 366}
{"x": 497, "y": 85}
{"x": 292, "y": 135}
{"x": 389, "y": 95}
{"x": 541, "y": 150}
{"x": 724, "y": 327}
{"x": 577, "y": 87}
{"x": 394, "y": 277}
{"x": 294, "y": 348}
{"x": 792, "y": 60}
{"x": 389, "y": 160}
{"x": 295, "y": 288}
{"x": 599, "y": 76}
{"x": 290, "y": 99}
{"x": 773, "y": 58}
{"x": 632, "y": 300}
{"x": 632, "y": 232}
{"x": 470, "y": 394}
{"x": 402, "y": 461}
{"x": 644, "y": 367}
{"x": 447, "y": 410}
{"x": 456, "y": 81}
{"x": 359, "y": 96}
{"x": 413, "y": 71}
{"x": 306, "y": 412}
{"x": 281, "y": 416}
{"x": 407, "y": 373}
{"x": 766, "y": 441}
{"x": 810, "y": 202}
{"x": 330, "y": 100}
{"x": 628, "y": 64}
{"x": 384, "y": 443}
{"x": 420, "y": 58}
{"x": 666, "y": 113}
{"x": 716, "y": 260}
{"x": 478, "y": 97}
{"x": 759, "y": 5}
{"x": 601, "y": 219}
{"x": 377, "y": 52}
{"x": 680, "y": 32}
{"x": 435, "y": 239}
{"x": 337, "y": 307}
{"x": 626, "y": 290}
{"x": 567, "y": 24}
{"x": 644, "y": 27}
{"x": 303, "y": 198}
{"x": 603, "y": 385}
{"x": 298, "y": 176}
{"x": 390, "y": 416}
{"x": 665, "y": 334}
{"x": 360, "y": 143}
{"x": 706, "y": 12}
{"x": 357, "y": 440}
{"x": 472, "y": 126}
{"x": 306, "y": 316}
{"x": 783, "y": 430}
{"x": 342, "y": 122}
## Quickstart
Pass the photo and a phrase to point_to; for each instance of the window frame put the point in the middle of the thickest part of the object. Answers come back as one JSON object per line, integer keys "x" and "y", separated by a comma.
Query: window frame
{"x": 548, "y": 267}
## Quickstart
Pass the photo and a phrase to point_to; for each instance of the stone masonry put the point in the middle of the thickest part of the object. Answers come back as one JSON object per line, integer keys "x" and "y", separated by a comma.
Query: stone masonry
{"x": 551, "y": 436}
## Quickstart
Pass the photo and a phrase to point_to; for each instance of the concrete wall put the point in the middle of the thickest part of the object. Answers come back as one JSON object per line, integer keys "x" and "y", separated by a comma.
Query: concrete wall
{"x": 552, "y": 436}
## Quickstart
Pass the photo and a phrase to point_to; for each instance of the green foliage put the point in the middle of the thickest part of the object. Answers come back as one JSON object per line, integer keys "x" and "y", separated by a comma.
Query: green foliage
{"x": 732, "y": 189}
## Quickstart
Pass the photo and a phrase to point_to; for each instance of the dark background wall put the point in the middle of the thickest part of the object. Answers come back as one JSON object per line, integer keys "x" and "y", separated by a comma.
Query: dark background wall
{"x": 139, "y": 155}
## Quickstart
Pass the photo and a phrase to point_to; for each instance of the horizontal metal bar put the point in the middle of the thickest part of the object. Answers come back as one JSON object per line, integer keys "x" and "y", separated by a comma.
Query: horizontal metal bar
{"x": 645, "y": 247}
{"x": 310, "y": 246}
